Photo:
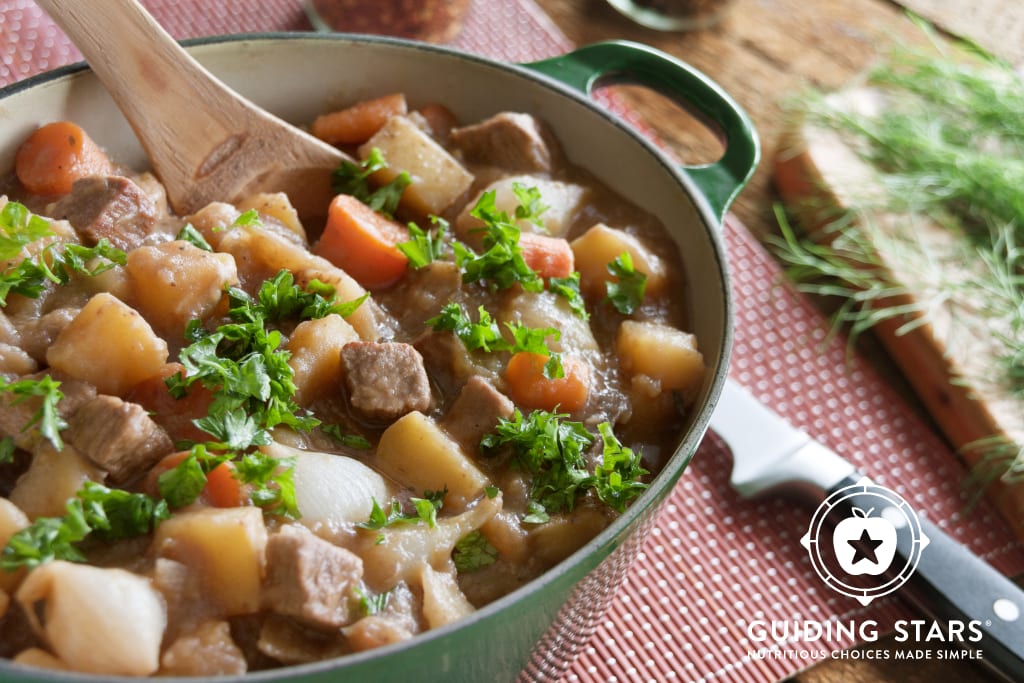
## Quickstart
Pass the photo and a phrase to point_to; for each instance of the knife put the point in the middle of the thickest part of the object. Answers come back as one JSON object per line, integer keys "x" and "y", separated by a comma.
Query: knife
{"x": 948, "y": 581}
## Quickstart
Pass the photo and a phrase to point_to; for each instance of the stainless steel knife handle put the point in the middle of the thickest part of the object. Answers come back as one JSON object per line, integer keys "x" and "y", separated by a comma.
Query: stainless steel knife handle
{"x": 952, "y": 584}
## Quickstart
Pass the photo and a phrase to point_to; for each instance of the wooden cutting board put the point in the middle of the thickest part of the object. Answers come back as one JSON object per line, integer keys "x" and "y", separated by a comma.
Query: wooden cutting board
{"x": 943, "y": 354}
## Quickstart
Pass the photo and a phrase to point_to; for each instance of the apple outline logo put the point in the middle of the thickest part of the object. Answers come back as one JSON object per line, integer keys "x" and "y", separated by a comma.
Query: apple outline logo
{"x": 878, "y": 533}
{"x": 891, "y": 504}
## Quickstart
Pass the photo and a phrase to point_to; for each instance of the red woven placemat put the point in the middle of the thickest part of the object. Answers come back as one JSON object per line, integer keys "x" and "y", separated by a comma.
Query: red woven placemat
{"x": 714, "y": 563}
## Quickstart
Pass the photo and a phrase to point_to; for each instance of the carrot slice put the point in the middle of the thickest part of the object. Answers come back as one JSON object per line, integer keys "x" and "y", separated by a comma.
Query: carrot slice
{"x": 528, "y": 386}
{"x": 549, "y": 256}
{"x": 358, "y": 123}
{"x": 362, "y": 242}
{"x": 50, "y": 160}
{"x": 222, "y": 489}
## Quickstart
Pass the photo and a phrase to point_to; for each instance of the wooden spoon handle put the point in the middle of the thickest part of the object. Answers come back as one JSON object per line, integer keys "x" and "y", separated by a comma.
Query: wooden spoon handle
{"x": 150, "y": 78}
{"x": 205, "y": 142}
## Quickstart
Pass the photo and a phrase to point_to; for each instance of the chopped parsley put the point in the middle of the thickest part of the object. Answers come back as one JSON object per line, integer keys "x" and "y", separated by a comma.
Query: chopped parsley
{"x": 336, "y": 432}
{"x": 18, "y": 228}
{"x": 280, "y": 298}
{"x": 626, "y": 292}
{"x": 552, "y": 449}
{"x": 619, "y": 472}
{"x": 7, "y": 449}
{"x": 370, "y": 604}
{"x": 182, "y": 484}
{"x": 473, "y": 552}
{"x": 189, "y": 234}
{"x": 424, "y": 511}
{"x": 95, "y": 510}
{"x": 55, "y": 263}
{"x": 569, "y": 289}
{"x": 530, "y": 205}
{"x": 46, "y": 417}
{"x": 253, "y": 388}
{"x": 422, "y": 249}
{"x": 353, "y": 178}
{"x": 501, "y": 264}
{"x": 485, "y": 335}
{"x": 272, "y": 482}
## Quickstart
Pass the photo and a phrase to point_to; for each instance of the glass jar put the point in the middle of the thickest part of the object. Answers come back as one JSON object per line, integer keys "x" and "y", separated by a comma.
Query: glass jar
{"x": 434, "y": 21}
{"x": 674, "y": 15}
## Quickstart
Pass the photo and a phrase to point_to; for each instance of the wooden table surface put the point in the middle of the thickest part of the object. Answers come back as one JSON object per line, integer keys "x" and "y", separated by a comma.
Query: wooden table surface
{"x": 764, "y": 52}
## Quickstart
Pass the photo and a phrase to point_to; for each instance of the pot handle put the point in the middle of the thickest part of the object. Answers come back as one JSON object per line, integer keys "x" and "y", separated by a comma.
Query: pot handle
{"x": 624, "y": 61}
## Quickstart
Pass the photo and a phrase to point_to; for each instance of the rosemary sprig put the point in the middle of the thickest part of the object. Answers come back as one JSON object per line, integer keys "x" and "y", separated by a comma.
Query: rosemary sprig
{"x": 947, "y": 148}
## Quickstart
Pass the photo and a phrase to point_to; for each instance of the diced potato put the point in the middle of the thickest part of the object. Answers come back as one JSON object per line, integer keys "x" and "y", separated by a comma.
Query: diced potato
{"x": 53, "y": 478}
{"x": 212, "y": 220}
{"x": 12, "y": 520}
{"x": 225, "y": 546}
{"x": 443, "y": 601}
{"x": 109, "y": 345}
{"x": 261, "y": 254}
{"x": 175, "y": 282}
{"x": 563, "y": 202}
{"x": 564, "y": 534}
{"x": 437, "y": 178}
{"x": 315, "y": 346}
{"x": 398, "y": 553}
{"x": 507, "y": 535}
{"x": 661, "y": 352}
{"x": 600, "y": 245}
{"x": 99, "y": 621}
{"x": 414, "y": 451}
{"x": 275, "y": 206}
{"x": 539, "y": 310}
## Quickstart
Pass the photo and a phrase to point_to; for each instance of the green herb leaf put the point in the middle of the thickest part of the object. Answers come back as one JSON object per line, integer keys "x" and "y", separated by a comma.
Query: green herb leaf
{"x": 19, "y": 227}
{"x": 7, "y": 449}
{"x": 530, "y": 205}
{"x": 182, "y": 484}
{"x": 337, "y": 432}
{"x": 551, "y": 449}
{"x": 115, "y": 514}
{"x": 189, "y": 234}
{"x": 501, "y": 263}
{"x": 626, "y": 292}
{"x": 47, "y": 417}
{"x": 272, "y": 480}
{"x": 473, "y": 552}
{"x": 423, "y": 248}
{"x": 354, "y": 179}
{"x": 569, "y": 289}
{"x": 108, "y": 513}
{"x": 370, "y": 604}
{"x": 618, "y": 475}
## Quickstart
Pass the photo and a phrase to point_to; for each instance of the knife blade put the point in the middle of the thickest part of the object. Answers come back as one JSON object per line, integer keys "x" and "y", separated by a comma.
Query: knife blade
{"x": 950, "y": 583}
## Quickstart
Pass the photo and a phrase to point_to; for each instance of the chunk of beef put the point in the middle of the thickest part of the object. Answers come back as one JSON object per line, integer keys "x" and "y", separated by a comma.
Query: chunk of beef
{"x": 310, "y": 578}
{"x": 475, "y": 412}
{"x": 206, "y": 651}
{"x": 39, "y": 332}
{"x": 385, "y": 380}
{"x": 113, "y": 207}
{"x": 15, "y": 413}
{"x": 119, "y": 437}
{"x": 446, "y": 359}
{"x": 511, "y": 140}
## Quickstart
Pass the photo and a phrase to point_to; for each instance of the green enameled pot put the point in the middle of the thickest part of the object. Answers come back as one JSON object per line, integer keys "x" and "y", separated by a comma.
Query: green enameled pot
{"x": 535, "y": 632}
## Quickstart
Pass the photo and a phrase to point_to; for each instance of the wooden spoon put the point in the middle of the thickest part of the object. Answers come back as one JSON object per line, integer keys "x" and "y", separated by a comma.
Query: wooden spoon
{"x": 205, "y": 142}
